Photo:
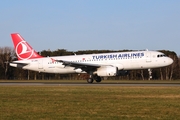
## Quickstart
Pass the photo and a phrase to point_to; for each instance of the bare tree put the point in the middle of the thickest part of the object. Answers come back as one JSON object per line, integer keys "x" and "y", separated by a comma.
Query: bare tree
{"x": 6, "y": 56}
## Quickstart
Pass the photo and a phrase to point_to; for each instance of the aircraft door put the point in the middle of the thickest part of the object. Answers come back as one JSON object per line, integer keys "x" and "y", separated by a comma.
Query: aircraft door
{"x": 40, "y": 64}
{"x": 148, "y": 57}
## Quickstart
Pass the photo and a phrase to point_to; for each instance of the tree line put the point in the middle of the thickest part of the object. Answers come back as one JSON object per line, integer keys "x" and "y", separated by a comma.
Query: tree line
{"x": 7, "y": 55}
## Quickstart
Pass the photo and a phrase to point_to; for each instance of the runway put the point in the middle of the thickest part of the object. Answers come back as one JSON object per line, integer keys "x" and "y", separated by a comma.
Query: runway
{"x": 94, "y": 84}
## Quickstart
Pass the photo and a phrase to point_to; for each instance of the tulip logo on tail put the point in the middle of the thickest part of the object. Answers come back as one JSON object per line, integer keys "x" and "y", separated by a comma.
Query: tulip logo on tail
{"x": 23, "y": 50}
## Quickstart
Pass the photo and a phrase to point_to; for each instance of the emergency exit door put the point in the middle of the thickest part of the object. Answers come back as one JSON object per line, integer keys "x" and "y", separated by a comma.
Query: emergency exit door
{"x": 40, "y": 64}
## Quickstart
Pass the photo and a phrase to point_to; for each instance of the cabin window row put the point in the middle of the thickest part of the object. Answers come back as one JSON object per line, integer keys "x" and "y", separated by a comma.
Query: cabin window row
{"x": 97, "y": 60}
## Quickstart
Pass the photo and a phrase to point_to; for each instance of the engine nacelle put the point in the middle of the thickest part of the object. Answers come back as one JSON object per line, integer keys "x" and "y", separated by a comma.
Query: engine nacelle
{"x": 79, "y": 70}
{"x": 107, "y": 71}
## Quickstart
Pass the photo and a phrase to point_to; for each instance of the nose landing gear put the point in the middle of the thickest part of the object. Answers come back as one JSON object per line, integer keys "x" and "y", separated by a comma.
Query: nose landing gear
{"x": 150, "y": 74}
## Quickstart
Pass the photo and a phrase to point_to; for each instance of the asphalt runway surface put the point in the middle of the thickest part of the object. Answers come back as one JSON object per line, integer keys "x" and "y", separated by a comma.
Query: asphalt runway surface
{"x": 93, "y": 84}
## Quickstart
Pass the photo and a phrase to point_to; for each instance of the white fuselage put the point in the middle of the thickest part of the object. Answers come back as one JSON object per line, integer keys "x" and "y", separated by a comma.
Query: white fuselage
{"x": 121, "y": 60}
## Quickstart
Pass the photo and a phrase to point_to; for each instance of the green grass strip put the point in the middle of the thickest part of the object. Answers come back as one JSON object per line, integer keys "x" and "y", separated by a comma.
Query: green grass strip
{"x": 89, "y": 102}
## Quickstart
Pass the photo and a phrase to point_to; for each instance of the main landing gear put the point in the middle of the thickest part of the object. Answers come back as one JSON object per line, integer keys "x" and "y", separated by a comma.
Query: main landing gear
{"x": 92, "y": 78}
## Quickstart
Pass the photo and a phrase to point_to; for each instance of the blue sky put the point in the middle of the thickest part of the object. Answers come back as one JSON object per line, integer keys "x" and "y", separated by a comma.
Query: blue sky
{"x": 92, "y": 24}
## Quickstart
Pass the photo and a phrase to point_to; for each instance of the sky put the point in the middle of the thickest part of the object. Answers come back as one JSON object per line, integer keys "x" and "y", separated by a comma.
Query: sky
{"x": 92, "y": 24}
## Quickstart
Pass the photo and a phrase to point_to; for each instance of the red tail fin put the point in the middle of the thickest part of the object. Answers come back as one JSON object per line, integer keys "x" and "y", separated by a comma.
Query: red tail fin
{"x": 23, "y": 50}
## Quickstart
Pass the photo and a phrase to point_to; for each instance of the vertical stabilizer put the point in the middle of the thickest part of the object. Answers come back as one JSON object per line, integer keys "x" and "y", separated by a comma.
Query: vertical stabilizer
{"x": 23, "y": 50}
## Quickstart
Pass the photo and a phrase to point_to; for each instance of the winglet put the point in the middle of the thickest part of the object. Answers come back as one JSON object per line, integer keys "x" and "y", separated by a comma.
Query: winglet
{"x": 23, "y": 50}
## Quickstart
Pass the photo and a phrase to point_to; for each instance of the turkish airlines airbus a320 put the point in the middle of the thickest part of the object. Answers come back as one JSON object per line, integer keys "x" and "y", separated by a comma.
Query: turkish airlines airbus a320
{"x": 96, "y": 65}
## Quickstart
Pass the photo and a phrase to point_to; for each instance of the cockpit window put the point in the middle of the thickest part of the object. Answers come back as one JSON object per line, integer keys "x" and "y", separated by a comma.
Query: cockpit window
{"x": 161, "y": 55}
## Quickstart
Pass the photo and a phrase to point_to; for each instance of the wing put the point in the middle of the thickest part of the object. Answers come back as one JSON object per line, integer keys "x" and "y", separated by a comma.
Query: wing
{"x": 84, "y": 66}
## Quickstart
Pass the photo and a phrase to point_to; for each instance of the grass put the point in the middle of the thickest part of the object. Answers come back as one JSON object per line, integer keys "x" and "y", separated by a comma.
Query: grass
{"x": 89, "y": 102}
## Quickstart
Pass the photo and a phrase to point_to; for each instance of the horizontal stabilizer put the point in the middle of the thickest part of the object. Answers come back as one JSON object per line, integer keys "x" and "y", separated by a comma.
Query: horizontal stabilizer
{"x": 21, "y": 62}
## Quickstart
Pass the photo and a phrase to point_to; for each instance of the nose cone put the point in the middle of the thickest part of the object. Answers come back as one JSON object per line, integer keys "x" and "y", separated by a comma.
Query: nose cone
{"x": 169, "y": 61}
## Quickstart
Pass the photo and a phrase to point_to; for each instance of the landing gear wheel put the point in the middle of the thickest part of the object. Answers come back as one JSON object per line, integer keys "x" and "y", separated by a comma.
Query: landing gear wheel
{"x": 90, "y": 80}
{"x": 98, "y": 79}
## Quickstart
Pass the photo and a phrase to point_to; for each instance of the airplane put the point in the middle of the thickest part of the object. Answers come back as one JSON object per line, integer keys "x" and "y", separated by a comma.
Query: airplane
{"x": 96, "y": 65}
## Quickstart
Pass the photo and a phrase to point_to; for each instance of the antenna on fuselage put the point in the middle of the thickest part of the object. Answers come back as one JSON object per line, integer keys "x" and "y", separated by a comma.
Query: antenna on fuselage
{"x": 74, "y": 53}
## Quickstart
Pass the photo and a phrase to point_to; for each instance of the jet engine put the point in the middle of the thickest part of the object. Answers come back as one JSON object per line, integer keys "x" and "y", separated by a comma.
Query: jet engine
{"x": 107, "y": 71}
